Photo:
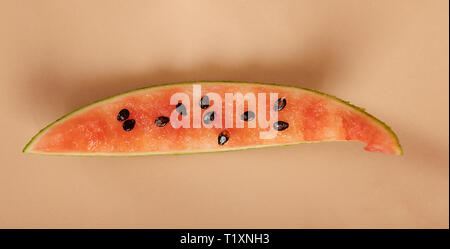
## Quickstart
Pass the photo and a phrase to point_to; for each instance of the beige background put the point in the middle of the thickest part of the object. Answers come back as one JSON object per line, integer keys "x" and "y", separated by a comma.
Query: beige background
{"x": 388, "y": 56}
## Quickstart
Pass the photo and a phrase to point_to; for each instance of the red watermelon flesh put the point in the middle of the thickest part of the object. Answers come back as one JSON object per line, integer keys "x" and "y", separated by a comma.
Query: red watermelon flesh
{"x": 310, "y": 116}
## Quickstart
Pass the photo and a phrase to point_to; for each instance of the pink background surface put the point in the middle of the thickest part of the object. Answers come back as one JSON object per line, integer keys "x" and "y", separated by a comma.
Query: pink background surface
{"x": 390, "y": 57}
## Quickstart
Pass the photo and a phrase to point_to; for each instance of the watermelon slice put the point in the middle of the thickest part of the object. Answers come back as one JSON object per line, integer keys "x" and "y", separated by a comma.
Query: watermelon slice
{"x": 195, "y": 117}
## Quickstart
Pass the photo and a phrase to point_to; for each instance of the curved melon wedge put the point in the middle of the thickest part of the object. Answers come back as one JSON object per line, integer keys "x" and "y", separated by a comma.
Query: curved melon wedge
{"x": 308, "y": 116}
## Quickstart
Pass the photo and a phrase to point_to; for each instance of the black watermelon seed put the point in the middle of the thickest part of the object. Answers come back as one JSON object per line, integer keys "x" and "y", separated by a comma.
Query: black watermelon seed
{"x": 181, "y": 109}
{"x": 279, "y": 104}
{"x": 161, "y": 121}
{"x": 204, "y": 102}
{"x": 123, "y": 114}
{"x": 209, "y": 117}
{"x": 128, "y": 125}
{"x": 223, "y": 137}
{"x": 248, "y": 116}
{"x": 280, "y": 125}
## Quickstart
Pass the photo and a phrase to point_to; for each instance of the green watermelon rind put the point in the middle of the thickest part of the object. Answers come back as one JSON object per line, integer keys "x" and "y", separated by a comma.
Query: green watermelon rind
{"x": 78, "y": 110}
